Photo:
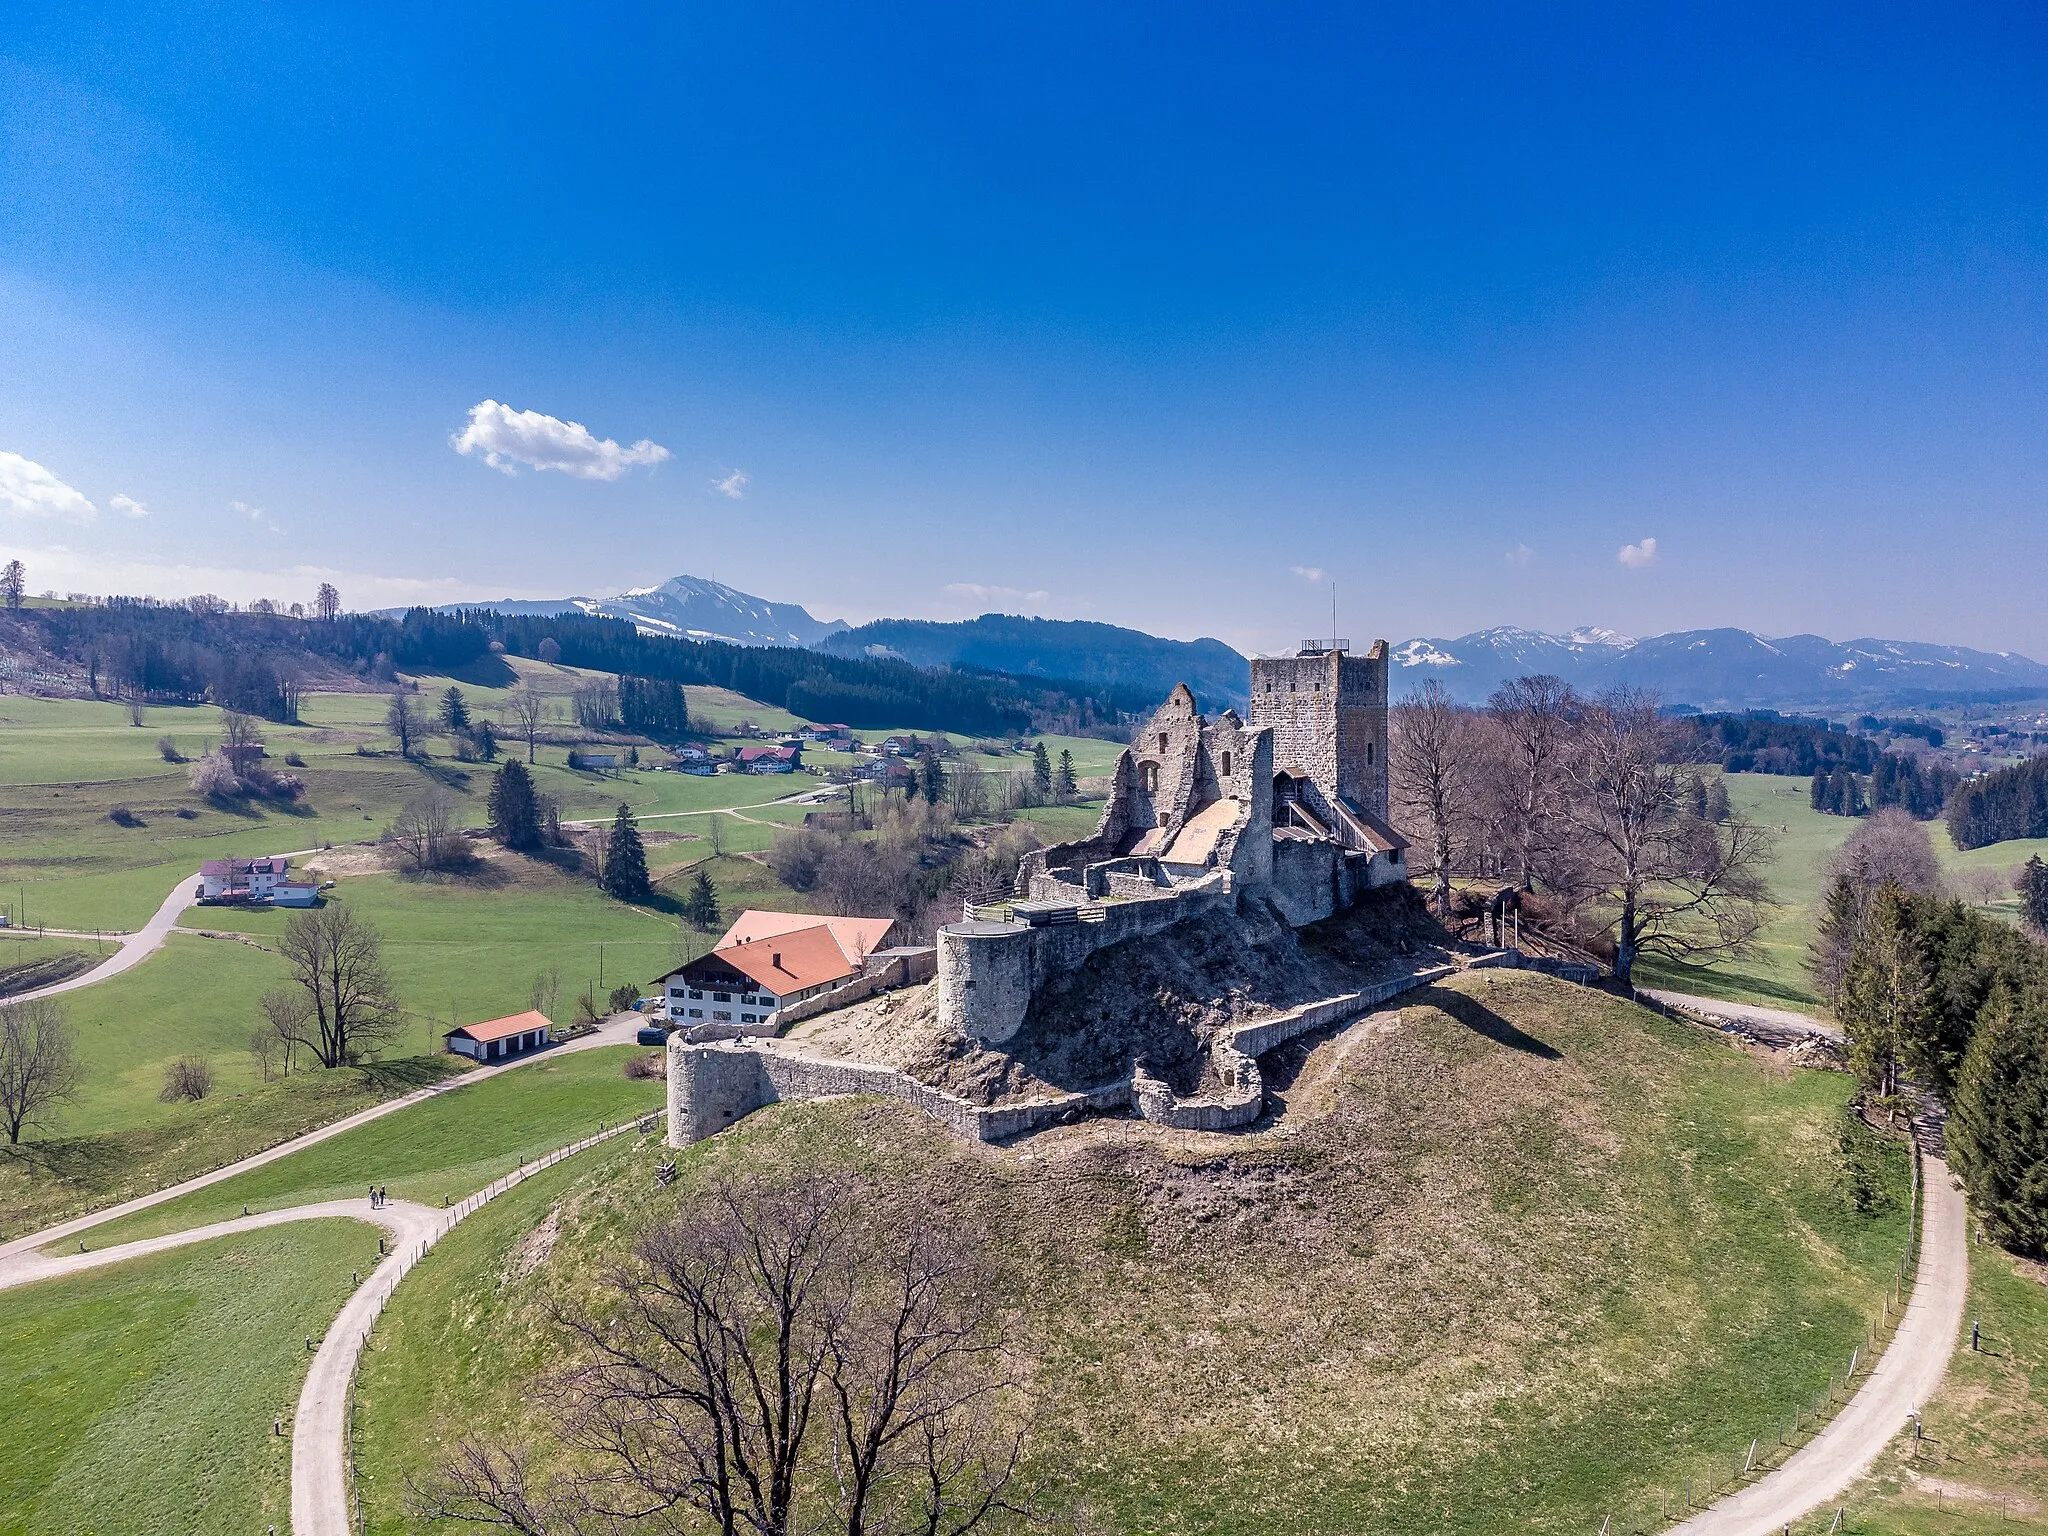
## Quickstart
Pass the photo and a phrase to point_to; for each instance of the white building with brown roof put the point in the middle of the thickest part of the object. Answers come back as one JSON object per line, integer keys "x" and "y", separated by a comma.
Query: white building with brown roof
{"x": 767, "y": 961}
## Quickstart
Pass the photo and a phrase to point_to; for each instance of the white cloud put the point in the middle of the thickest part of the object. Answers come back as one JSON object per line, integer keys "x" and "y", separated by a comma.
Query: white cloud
{"x": 733, "y": 485}
{"x": 28, "y": 488}
{"x": 986, "y": 594}
{"x": 506, "y": 438}
{"x": 256, "y": 515}
{"x": 127, "y": 506}
{"x": 1522, "y": 554}
{"x": 1636, "y": 556}
{"x": 1310, "y": 572}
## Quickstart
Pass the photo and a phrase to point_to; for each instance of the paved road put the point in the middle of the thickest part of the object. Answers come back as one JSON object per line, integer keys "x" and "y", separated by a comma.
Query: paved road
{"x": 135, "y": 947}
{"x": 407, "y": 1222}
{"x": 1745, "y": 1013}
{"x": 616, "y": 1031}
{"x": 1906, "y": 1377}
{"x": 320, "y": 1501}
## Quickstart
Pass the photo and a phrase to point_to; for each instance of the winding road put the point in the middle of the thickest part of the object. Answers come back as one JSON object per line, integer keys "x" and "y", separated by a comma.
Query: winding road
{"x": 135, "y": 947}
{"x": 1752, "y": 1014}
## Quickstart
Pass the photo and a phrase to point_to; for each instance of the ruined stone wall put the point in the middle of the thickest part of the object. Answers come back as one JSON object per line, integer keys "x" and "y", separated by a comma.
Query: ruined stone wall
{"x": 988, "y": 972}
{"x": 711, "y": 1086}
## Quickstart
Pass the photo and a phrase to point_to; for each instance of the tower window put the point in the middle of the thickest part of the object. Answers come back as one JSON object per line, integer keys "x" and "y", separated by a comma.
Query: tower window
{"x": 1368, "y": 754}
{"x": 1226, "y": 765}
{"x": 1162, "y": 741}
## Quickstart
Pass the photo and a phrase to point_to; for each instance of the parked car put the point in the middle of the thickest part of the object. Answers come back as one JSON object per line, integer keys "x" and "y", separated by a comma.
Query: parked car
{"x": 652, "y": 1034}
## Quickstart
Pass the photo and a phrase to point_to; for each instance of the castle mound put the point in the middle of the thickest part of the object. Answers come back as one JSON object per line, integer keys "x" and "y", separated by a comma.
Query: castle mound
{"x": 1517, "y": 1255}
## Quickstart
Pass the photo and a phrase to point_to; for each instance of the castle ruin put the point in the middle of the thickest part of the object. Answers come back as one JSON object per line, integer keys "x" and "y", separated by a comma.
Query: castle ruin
{"x": 1287, "y": 809}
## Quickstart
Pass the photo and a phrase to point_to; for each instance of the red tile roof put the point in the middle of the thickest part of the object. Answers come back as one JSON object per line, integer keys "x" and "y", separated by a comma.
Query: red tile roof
{"x": 855, "y": 936}
{"x": 789, "y": 962}
{"x": 501, "y": 1029}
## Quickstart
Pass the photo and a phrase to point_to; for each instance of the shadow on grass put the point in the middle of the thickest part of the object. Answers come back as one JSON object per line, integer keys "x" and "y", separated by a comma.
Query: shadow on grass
{"x": 1482, "y": 1020}
{"x": 410, "y": 1072}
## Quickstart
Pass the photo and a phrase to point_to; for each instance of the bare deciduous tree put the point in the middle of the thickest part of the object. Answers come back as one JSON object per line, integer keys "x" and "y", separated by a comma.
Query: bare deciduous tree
{"x": 285, "y": 1011}
{"x": 327, "y": 601}
{"x": 402, "y": 720}
{"x": 1675, "y": 883}
{"x": 781, "y": 1344}
{"x": 424, "y": 831}
{"x": 1533, "y": 716}
{"x": 346, "y": 1007}
{"x": 1888, "y": 845}
{"x": 39, "y": 1067}
{"x": 526, "y": 710}
{"x": 1429, "y": 763}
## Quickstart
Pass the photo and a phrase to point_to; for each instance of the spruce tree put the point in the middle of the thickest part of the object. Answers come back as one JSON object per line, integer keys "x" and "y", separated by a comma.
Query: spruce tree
{"x": 1063, "y": 782}
{"x": 513, "y": 808}
{"x": 1699, "y": 796}
{"x": 932, "y": 776}
{"x": 1998, "y": 1119}
{"x": 701, "y": 905}
{"x": 1041, "y": 769}
{"x": 1885, "y": 1004}
{"x": 625, "y": 861}
{"x": 454, "y": 709}
{"x": 1817, "y": 791}
{"x": 1834, "y": 940}
{"x": 1717, "y": 799}
{"x": 2033, "y": 888}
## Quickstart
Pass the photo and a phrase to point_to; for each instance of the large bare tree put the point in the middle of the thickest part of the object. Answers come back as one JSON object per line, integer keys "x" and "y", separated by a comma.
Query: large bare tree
{"x": 38, "y": 1064}
{"x": 1669, "y": 882}
{"x": 787, "y": 1354}
{"x": 526, "y": 710}
{"x": 1429, "y": 763}
{"x": 344, "y": 1007}
{"x": 1532, "y": 717}
{"x": 424, "y": 831}
{"x": 402, "y": 720}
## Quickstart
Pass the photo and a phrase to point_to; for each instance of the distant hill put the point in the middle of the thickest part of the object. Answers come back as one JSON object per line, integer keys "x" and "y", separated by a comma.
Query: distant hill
{"x": 684, "y": 607}
{"x": 1124, "y": 659}
{"x": 1721, "y": 668}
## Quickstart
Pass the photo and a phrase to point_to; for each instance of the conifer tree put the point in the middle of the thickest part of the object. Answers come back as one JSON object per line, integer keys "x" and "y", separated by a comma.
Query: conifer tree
{"x": 2033, "y": 889}
{"x": 1998, "y": 1120}
{"x": 1834, "y": 940}
{"x": 1885, "y": 1004}
{"x": 625, "y": 861}
{"x": 1698, "y": 793}
{"x": 1063, "y": 782}
{"x": 1717, "y": 799}
{"x": 454, "y": 709}
{"x": 1041, "y": 769}
{"x": 932, "y": 776}
{"x": 701, "y": 905}
{"x": 513, "y": 808}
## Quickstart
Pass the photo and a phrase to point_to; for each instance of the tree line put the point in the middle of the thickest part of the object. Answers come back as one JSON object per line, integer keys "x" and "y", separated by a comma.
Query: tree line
{"x": 2006, "y": 803}
{"x": 1935, "y": 996}
{"x": 254, "y": 661}
{"x": 1763, "y": 741}
{"x": 1600, "y": 803}
{"x": 1920, "y": 789}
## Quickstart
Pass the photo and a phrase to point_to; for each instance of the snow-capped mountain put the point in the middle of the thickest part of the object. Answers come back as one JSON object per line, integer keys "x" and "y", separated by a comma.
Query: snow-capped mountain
{"x": 695, "y": 609}
{"x": 1717, "y": 668}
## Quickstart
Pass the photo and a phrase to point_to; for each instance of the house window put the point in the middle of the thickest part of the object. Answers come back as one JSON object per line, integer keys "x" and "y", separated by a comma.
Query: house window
{"x": 696, "y": 1013}
{"x": 721, "y": 997}
{"x": 726, "y": 1015}
{"x": 748, "y": 1018}
{"x": 694, "y": 993}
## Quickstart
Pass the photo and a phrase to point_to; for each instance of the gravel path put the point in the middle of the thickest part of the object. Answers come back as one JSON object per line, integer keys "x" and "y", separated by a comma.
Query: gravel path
{"x": 1906, "y": 1376}
{"x": 1745, "y": 1013}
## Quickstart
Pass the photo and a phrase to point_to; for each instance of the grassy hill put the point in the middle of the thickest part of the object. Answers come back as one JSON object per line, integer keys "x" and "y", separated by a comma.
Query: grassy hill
{"x": 1525, "y": 1256}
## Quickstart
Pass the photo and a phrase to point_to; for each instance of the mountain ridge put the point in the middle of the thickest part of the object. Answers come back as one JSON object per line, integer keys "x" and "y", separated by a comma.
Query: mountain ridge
{"x": 1721, "y": 668}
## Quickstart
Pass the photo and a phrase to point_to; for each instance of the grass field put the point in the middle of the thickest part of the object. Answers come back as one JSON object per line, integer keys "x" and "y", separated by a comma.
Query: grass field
{"x": 1803, "y": 843}
{"x": 1526, "y": 1258}
{"x": 139, "y": 1399}
{"x": 1983, "y": 1464}
{"x": 46, "y": 1181}
{"x": 447, "y": 1145}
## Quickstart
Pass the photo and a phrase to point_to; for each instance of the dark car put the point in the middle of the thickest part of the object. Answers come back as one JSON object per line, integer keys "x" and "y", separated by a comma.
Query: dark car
{"x": 652, "y": 1034}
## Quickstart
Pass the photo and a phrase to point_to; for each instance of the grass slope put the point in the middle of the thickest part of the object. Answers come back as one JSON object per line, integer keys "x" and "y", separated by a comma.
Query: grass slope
{"x": 448, "y": 1145}
{"x": 1525, "y": 1257}
{"x": 139, "y": 1399}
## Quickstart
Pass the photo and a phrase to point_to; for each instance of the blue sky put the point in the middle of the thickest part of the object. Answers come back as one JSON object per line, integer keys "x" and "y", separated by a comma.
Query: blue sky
{"x": 1162, "y": 316}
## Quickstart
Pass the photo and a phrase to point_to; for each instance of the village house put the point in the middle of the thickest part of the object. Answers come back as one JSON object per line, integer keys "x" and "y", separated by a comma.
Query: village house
{"x": 500, "y": 1039}
{"x": 767, "y": 961}
{"x": 781, "y": 759}
{"x": 243, "y": 879}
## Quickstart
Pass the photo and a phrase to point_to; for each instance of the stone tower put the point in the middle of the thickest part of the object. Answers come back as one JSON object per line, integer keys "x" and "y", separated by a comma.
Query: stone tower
{"x": 1328, "y": 713}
